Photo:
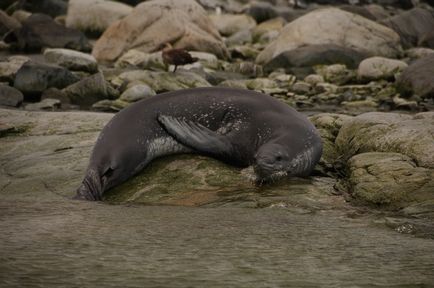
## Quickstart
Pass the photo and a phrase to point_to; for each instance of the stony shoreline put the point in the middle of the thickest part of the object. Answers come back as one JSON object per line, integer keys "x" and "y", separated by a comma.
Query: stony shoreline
{"x": 367, "y": 85}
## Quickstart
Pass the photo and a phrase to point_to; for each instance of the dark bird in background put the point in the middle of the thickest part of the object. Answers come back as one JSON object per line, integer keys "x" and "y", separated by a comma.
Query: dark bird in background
{"x": 177, "y": 57}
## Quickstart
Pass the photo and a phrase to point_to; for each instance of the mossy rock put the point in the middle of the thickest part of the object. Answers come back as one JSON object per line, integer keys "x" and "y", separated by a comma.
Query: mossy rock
{"x": 192, "y": 180}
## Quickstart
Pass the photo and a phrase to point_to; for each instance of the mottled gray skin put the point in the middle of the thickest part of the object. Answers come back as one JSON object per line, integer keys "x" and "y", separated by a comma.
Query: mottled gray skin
{"x": 239, "y": 127}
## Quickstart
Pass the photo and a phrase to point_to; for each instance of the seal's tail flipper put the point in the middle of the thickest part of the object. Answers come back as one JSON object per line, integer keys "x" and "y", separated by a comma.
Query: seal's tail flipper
{"x": 91, "y": 187}
{"x": 197, "y": 136}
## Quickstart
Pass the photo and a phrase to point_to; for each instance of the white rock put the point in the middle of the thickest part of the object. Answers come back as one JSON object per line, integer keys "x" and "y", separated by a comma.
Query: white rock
{"x": 95, "y": 15}
{"x": 71, "y": 59}
{"x": 334, "y": 26}
{"x": 379, "y": 68}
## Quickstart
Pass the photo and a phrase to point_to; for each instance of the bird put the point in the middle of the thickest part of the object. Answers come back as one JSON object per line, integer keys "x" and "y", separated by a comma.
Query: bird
{"x": 172, "y": 56}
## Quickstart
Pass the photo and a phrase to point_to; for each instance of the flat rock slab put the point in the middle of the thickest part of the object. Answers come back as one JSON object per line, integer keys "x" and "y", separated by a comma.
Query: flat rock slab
{"x": 44, "y": 155}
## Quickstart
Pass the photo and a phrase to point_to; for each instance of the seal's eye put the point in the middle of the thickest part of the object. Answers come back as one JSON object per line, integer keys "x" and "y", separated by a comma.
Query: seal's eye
{"x": 279, "y": 158}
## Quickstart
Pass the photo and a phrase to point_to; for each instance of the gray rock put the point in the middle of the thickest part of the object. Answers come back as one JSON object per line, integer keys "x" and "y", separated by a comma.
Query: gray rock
{"x": 90, "y": 90}
{"x": 7, "y": 24}
{"x": 95, "y": 15}
{"x": 275, "y": 24}
{"x": 337, "y": 73}
{"x": 314, "y": 79}
{"x": 229, "y": 24}
{"x": 312, "y": 55}
{"x": 10, "y": 96}
{"x": 137, "y": 92}
{"x": 349, "y": 30}
{"x": 34, "y": 78}
{"x": 46, "y": 104}
{"x": 39, "y": 31}
{"x": 136, "y": 58}
{"x": 418, "y": 52}
{"x": 184, "y": 23}
{"x": 248, "y": 69}
{"x": 389, "y": 179}
{"x": 418, "y": 78}
{"x": 50, "y": 7}
{"x": 161, "y": 81}
{"x": 375, "y": 68}
{"x": 411, "y": 25}
{"x": 72, "y": 60}
{"x": 389, "y": 132}
{"x": 240, "y": 37}
{"x": 301, "y": 87}
{"x": 10, "y": 66}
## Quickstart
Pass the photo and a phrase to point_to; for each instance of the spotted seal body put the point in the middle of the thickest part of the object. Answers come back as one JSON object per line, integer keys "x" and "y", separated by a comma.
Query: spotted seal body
{"x": 239, "y": 127}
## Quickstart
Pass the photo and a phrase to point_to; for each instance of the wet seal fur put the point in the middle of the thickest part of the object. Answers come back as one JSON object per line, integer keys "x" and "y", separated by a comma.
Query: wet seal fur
{"x": 239, "y": 127}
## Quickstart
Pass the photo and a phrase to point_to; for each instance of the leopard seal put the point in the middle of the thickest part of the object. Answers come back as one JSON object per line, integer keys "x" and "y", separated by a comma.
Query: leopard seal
{"x": 237, "y": 126}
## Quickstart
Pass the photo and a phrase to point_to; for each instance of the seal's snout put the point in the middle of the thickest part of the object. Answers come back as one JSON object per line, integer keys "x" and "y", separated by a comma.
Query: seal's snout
{"x": 91, "y": 188}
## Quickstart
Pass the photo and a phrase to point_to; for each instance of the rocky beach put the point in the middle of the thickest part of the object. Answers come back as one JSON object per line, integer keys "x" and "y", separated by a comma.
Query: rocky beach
{"x": 363, "y": 73}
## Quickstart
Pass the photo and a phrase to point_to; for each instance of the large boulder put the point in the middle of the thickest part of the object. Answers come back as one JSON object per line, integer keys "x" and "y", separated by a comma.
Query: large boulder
{"x": 390, "y": 158}
{"x": 312, "y": 55}
{"x": 389, "y": 179}
{"x": 34, "y": 78}
{"x": 418, "y": 78}
{"x": 151, "y": 24}
{"x": 412, "y": 26}
{"x": 389, "y": 132}
{"x": 39, "y": 31}
{"x": 95, "y": 15}
{"x": 334, "y": 26}
{"x": 44, "y": 156}
{"x": 10, "y": 66}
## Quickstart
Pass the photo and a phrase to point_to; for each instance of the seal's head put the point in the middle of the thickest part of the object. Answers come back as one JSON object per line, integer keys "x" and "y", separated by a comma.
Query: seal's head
{"x": 274, "y": 161}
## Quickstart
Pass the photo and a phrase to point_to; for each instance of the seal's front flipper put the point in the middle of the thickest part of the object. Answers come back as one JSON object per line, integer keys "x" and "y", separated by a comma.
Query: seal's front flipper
{"x": 197, "y": 136}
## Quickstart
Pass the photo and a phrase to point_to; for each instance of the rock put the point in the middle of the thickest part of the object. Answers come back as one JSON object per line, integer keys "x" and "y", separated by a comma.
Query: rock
{"x": 10, "y": 96}
{"x": 411, "y": 25}
{"x": 314, "y": 79}
{"x": 21, "y": 15}
{"x": 359, "y": 10}
{"x": 231, "y": 6}
{"x": 248, "y": 69}
{"x": 427, "y": 40}
{"x": 376, "y": 68}
{"x": 72, "y": 60}
{"x": 418, "y": 78}
{"x": 301, "y": 87}
{"x": 263, "y": 11}
{"x": 312, "y": 55}
{"x": 229, "y": 24}
{"x": 39, "y": 31}
{"x": 207, "y": 60}
{"x": 95, "y": 16}
{"x": 389, "y": 179}
{"x": 244, "y": 52}
{"x": 153, "y": 23}
{"x": 50, "y": 7}
{"x": 10, "y": 66}
{"x": 90, "y": 90}
{"x": 7, "y": 24}
{"x": 418, "y": 52}
{"x": 52, "y": 153}
{"x": 46, "y": 104}
{"x": 389, "y": 132}
{"x": 349, "y": 30}
{"x": 110, "y": 105}
{"x": 136, "y": 58}
{"x": 239, "y": 38}
{"x": 275, "y": 24}
{"x": 328, "y": 125}
{"x": 241, "y": 84}
{"x": 34, "y": 78}
{"x": 337, "y": 73}
{"x": 162, "y": 81}
{"x": 136, "y": 93}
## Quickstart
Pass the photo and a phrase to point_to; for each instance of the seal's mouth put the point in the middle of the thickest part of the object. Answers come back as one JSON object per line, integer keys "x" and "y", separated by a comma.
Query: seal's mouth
{"x": 268, "y": 173}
